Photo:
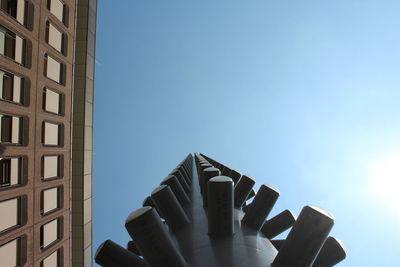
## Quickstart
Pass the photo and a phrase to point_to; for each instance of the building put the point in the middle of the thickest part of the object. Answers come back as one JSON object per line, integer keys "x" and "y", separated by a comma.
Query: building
{"x": 47, "y": 50}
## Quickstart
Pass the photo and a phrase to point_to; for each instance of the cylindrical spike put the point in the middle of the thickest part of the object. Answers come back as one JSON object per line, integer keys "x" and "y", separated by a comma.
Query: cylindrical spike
{"x": 235, "y": 175}
{"x": 251, "y": 195}
{"x": 148, "y": 202}
{"x": 305, "y": 238}
{"x": 245, "y": 206}
{"x": 331, "y": 253}
{"x": 110, "y": 254}
{"x": 278, "y": 224}
{"x": 220, "y": 206}
{"x": 177, "y": 189}
{"x": 278, "y": 243}
{"x": 152, "y": 239}
{"x": 242, "y": 190}
{"x": 208, "y": 173}
{"x": 131, "y": 246}
{"x": 185, "y": 173}
{"x": 178, "y": 174}
{"x": 260, "y": 207}
{"x": 226, "y": 172}
{"x": 169, "y": 207}
{"x": 203, "y": 166}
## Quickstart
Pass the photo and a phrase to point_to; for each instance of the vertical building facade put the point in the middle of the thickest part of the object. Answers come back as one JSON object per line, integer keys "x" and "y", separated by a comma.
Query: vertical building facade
{"x": 43, "y": 212}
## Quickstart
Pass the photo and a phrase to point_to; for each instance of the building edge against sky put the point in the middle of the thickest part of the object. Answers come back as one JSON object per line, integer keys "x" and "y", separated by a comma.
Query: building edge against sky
{"x": 47, "y": 51}
{"x": 82, "y": 132}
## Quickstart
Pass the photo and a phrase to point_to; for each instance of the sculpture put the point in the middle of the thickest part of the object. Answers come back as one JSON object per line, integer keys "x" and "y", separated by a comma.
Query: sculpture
{"x": 198, "y": 217}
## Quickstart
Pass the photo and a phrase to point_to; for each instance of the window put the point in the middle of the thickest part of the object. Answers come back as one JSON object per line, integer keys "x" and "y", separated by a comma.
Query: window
{"x": 10, "y": 213}
{"x": 54, "y": 37}
{"x": 10, "y": 253}
{"x": 51, "y": 134}
{"x": 50, "y": 200}
{"x": 52, "y": 101}
{"x": 11, "y": 45}
{"x": 10, "y": 129}
{"x": 57, "y": 8}
{"x": 49, "y": 233}
{"x": 11, "y": 87}
{"x": 53, "y": 69}
{"x": 15, "y": 8}
{"x": 10, "y": 171}
{"x": 53, "y": 260}
{"x": 50, "y": 167}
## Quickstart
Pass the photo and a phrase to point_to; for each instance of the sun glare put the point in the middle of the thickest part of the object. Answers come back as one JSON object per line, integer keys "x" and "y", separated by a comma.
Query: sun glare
{"x": 385, "y": 181}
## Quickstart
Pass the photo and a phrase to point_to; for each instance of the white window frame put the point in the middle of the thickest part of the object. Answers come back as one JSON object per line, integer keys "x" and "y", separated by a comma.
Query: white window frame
{"x": 6, "y": 221}
{"x": 17, "y": 87}
{"x": 47, "y": 208}
{"x": 16, "y": 128}
{"x": 10, "y": 247}
{"x": 55, "y": 37}
{"x": 14, "y": 172}
{"x": 49, "y": 95}
{"x": 50, "y": 227}
{"x": 47, "y": 129}
{"x": 46, "y": 175}
{"x": 19, "y": 45}
{"x": 54, "y": 7}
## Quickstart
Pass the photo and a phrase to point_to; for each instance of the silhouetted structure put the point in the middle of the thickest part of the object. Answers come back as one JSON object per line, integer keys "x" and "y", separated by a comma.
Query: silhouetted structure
{"x": 200, "y": 218}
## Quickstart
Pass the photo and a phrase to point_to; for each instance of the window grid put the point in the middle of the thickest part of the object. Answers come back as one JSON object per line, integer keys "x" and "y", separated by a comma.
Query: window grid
{"x": 12, "y": 46}
{"x": 11, "y": 129}
{"x": 51, "y": 134}
{"x": 8, "y": 214}
{"x": 10, "y": 171}
{"x": 11, "y": 87}
{"x": 55, "y": 37}
{"x": 54, "y": 69}
{"x": 51, "y": 167}
{"x": 17, "y": 9}
{"x": 47, "y": 194}
{"x": 10, "y": 253}
{"x": 52, "y": 101}
{"x": 48, "y": 229}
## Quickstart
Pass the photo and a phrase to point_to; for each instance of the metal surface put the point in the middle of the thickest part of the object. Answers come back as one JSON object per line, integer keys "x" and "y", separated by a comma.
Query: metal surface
{"x": 208, "y": 174}
{"x": 278, "y": 224}
{"x": 242, "y": 190}
{"x": 152, "y": 239}
{"x": 332, "y": 252}
{"x": 305, "y": 239}
{"x": 168, "y": 206}
{"x": 110, "y": 254}
{"x": 220, "y": 206}
{"x": 260, "y": 207}
{"x": 177, "y": 189}
{"x": 218, "y": 234}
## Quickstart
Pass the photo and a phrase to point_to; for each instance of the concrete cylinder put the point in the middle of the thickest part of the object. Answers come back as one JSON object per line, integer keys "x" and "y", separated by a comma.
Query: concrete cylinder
{"x": 177, "y": 189}
{"x": 220, "y": 206}
{"x": 168, "y": 205}
{"x": 305, "y": 238}
{"x": 242, "y": 190}
{"x": 110, "y": 254}
{"x": 260, "y": 207}
{"x": 152, "y": 239}
{"x": 278, "y": 224}
{"x": 208, "y": 173}
{"x": 331, "y": 253}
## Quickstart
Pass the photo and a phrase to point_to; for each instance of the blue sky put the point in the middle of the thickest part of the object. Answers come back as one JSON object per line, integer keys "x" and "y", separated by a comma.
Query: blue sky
{"x": 302, "y": 95}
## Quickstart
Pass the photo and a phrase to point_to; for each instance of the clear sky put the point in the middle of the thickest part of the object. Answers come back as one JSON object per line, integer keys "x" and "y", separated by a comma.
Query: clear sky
{"x": 302, "y": 95}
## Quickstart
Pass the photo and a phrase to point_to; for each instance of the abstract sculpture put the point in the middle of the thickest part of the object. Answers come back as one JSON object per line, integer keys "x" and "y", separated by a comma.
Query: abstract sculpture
{"x": 198, "y": 217}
